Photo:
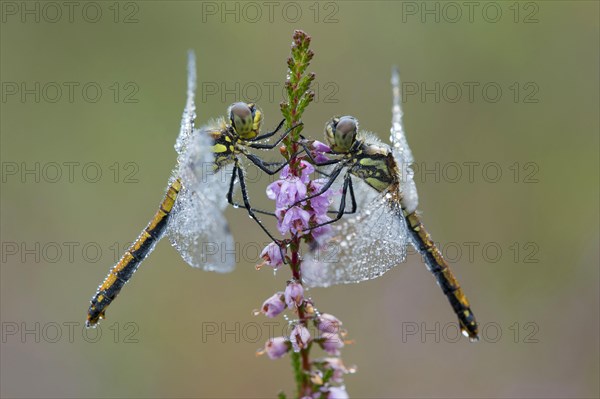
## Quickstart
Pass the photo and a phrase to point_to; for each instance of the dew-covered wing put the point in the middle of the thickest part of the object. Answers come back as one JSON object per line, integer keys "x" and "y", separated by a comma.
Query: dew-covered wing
{"x": 397, "y": 133}
{"x": 198, "y": 228}
{"x": 363, "y": 193}
{"x": 189, "y": 112}
{"x": 363, "y": 246}
{"x": 401, "y": 150}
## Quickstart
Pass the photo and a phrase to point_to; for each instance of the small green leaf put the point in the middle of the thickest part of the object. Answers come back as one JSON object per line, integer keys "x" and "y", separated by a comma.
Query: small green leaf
{"x": 297, "y": 366}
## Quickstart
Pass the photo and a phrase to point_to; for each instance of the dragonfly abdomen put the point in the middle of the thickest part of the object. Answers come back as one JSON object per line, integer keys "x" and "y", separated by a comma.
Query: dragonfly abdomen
{"x": 133, "y": 257}
{"x": 439, "y": 268}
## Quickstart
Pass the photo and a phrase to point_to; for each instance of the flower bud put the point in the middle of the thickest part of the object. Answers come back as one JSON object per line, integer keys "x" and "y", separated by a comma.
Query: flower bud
{"x": 272, "y": 255}
{"x": 294, "y": 295}
{"x": 299, "y": 337}
{"x": 331, "y": 343}
{"x": 328, "y": 323}
{"x": 273, "y": 306}
{"x": 337, "y": 393}
{"x": 339, "y": 369}
{"x": 276, "y": 347}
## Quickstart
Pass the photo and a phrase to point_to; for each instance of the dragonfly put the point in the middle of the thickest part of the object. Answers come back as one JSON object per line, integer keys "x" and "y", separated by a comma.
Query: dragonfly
{"x": 373, "y": 235}
{"x": 209, "y": 167}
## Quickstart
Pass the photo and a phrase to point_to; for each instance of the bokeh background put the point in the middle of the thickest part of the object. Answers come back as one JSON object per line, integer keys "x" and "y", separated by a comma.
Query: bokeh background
{"x": 532, "y": 274}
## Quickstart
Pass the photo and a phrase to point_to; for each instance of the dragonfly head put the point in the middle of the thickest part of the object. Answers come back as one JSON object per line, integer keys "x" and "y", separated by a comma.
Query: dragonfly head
{"x": 246, "y": 119}
{"x": 340, "y": 133}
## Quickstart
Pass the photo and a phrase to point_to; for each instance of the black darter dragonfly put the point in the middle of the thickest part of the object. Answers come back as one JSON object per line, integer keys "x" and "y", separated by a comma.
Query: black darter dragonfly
{"x": 369, "y": 242}
{"x": 209, "y": 164}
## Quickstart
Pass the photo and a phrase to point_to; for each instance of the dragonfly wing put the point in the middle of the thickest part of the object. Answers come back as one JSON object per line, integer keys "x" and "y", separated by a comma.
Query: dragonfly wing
{"x": 410, "y": 197}
{"x": 198, "y": 228}
{"x": 363, "y": 246}
{"x": 363, "y": 193}
{"x": 122, "y": 272}
{"x": 189, "y": 112}
{"x": 401, "y": 150}
{"x": 397, "y": 133}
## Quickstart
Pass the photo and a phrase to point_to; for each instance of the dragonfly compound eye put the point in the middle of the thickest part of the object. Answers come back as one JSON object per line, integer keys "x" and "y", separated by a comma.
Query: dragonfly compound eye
{"x": 341, "y": 133}
{"x": 241, "y": 116}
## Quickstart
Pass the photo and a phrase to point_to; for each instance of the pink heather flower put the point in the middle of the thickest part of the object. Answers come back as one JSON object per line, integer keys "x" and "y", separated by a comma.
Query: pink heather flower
{"x": 274, "y": 189}
{"x": 277, "y": 347}
{"x": 285, "y": 172}
{"x": 331, "y": 343}
{"x": 299, "y": 337}
{"x": 318, "y": 185}
{"x": 294, "y": 295}
{"x": 272, "y": 254}
{"x": 306, "y": 168}
{"x": 273, "y": 306}
{"x": 321, "y": 234}
{"x": 319, "y": 150}
{"x": 328, "y": 323}
{"x": 337, "y": 393}
{"x": 295, "y": 220}
{"x": 319, "y": 146}
{"x": 339, "y": 369}
{"x": 321, "y": 203}
{"x": 292, "y": 190}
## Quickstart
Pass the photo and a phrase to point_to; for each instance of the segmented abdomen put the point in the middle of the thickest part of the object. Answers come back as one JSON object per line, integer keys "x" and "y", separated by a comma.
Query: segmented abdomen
{"x": 446, "y": 280}
{"x": 133, "y": 257}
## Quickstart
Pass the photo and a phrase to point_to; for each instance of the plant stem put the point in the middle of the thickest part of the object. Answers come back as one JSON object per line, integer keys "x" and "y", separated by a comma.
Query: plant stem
{"x": 299, "y": 96}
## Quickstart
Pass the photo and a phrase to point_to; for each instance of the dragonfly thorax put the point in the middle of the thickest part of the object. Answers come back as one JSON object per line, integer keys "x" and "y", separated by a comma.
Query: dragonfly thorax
{"x": 375, "y": 166}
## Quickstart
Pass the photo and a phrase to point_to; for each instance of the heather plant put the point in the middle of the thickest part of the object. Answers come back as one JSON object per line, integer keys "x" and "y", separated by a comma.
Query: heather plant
{"x": 302, "y": 223}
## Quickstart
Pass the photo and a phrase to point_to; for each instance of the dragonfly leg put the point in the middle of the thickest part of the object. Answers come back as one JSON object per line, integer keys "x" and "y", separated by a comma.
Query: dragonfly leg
{"x": 269, "y": 134}
{"x": 352, "y": 198}
{"x": 235, "y": 204}
{"x": 275, "y": 144}
{"x": 247, "y": 202}
{"x": 309, "y": 155}
{"x": 264, "y": 166}
{"x": 334, "y": 175}
{"x": 342, "y": 209}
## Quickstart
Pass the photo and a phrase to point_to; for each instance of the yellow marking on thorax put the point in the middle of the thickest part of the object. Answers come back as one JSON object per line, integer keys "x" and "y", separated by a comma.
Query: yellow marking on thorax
{"x": 250, "y": 135}
{"x": 257, "y": 121}
{"x": 376, "y": 184}
{"x": 375, "y": 150}
{"x": 218, "y": 148}
{"x": 378, "y": 163}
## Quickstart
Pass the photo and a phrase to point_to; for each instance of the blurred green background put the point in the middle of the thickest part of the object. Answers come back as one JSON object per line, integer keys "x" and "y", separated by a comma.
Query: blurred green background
{"x": 537, "y": 299}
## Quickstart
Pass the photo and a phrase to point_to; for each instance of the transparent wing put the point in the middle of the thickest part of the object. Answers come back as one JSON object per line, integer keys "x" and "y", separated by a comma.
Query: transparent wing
{"x": 397, "y": 134}
{"x": 189, "y": 112}
{"x": 198, "y": 228}
{"x": 363, "y": 246}
{"x": 401, "y": 150}
{"x": 364, "y": 194}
